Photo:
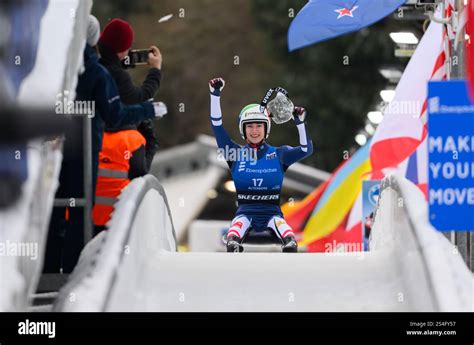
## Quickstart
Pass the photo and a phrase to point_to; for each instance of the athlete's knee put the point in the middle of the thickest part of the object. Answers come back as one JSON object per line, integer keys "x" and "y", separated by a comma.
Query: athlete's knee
{"x": 239, "y": 226}
{"x": 279, "y": 224}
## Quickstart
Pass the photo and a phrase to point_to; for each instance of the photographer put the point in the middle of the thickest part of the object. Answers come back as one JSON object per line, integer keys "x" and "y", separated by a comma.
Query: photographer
{"x": 114, "y": 46}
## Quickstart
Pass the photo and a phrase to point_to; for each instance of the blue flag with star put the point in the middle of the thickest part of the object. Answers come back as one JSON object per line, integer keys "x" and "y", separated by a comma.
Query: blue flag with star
{"x": 320, "y": 20}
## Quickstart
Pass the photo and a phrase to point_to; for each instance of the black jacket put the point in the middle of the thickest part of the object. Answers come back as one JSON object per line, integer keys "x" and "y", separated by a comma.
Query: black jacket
{"x": 98, "y": 86}
{"x": 131, "y": 94}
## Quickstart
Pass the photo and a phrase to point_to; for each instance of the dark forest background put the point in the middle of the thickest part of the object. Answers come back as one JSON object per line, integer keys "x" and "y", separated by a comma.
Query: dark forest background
{"x": 207, "y": 38}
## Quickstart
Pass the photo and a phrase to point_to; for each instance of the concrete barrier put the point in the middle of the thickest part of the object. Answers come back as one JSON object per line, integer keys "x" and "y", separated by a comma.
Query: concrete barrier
{"x": 141, "y": 226}
{"x": 135, "y": 267}
{"x": 434, "y": 275}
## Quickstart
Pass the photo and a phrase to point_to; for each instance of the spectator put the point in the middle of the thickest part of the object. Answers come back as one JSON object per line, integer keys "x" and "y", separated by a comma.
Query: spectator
{"x": 114, "y": 45}
{"x": 122, "y": 159}
{"x": 94, "y": 85}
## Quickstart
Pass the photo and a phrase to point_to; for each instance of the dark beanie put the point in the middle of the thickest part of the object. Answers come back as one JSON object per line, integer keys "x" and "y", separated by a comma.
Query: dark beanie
{"x": 117, "y": 35}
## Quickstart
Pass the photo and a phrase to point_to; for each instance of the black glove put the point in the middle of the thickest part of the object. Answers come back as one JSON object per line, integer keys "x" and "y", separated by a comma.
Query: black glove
{"x": 147, "y": 129}
{"x": 299, "y": 115}
{"x": 216, "y": 85}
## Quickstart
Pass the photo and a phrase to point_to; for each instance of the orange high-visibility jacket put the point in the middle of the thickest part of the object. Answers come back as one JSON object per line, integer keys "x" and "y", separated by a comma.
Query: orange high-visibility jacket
{"x": 114, "y": 166}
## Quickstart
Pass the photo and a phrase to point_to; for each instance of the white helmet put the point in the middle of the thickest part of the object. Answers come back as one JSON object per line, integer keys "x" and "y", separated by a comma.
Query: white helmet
{"x": 252, "y": 113}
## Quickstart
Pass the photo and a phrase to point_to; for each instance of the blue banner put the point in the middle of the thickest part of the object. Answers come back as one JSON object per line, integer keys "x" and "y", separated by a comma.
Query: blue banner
{"x": 320, "y": 20}
{"x": 451, "y": 156}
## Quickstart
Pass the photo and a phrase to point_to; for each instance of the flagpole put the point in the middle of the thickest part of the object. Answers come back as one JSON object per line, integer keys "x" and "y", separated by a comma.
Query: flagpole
{"x": 459, "y": 68}
{"x": 462, "y": 239}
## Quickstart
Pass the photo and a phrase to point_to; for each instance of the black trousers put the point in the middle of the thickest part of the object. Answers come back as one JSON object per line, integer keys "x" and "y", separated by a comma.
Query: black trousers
{"x": 66, "y": 236}
{"x": 65, "y": 240}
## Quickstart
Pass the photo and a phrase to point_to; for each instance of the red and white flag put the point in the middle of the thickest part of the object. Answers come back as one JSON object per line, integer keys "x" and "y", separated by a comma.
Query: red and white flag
{"x": 403, "y": 128}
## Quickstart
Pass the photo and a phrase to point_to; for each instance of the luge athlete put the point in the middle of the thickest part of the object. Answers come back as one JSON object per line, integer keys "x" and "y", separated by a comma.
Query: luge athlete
{"x": 257, "y": 169}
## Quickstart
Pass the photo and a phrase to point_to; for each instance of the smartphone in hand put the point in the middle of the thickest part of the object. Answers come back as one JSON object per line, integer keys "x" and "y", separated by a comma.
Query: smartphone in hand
{"x": 136, "y": 57}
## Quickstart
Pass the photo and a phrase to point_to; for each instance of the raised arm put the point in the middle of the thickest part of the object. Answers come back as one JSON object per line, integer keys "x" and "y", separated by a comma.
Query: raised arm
{"x": 223, "y": 140}
{"x": 289, "y": 155}
{"x": 131, "y": 94}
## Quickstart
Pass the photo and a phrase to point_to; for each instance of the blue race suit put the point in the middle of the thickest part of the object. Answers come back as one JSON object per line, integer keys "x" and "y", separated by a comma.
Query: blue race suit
{"x": 257, "y": 172}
